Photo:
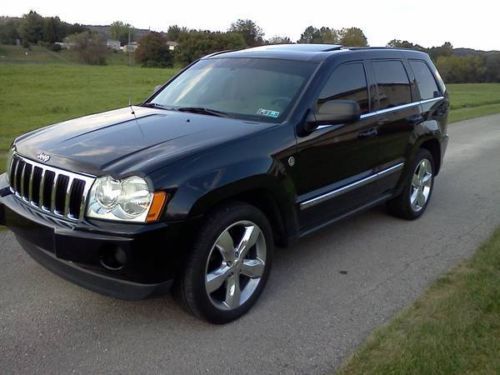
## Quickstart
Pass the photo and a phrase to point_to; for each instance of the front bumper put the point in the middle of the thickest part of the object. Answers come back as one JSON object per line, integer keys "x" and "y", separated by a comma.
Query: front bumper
{"x": 150, "y": 255}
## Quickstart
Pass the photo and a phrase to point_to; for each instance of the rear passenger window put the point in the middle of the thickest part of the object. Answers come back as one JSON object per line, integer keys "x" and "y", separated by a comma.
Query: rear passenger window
{"x": 393, "y": 84}
{"x": 425, "y": 80}
{"x": 347, "y": 82}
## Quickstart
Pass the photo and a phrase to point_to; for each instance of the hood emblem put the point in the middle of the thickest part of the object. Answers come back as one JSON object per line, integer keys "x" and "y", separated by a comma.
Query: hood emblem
{"x": 43, "y": 157}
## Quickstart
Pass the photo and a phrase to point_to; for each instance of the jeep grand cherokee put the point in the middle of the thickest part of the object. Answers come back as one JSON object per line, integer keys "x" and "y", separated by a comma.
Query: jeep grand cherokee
{"x": 238, "y": 152}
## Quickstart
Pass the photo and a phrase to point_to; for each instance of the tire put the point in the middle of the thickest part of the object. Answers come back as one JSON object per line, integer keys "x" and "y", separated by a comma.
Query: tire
{"x": 217, "y": 267}
{"x": 417, "y": 190}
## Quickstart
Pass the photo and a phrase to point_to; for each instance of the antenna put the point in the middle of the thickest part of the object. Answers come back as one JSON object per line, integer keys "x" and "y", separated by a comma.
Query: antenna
{"x": 129, "y": 80}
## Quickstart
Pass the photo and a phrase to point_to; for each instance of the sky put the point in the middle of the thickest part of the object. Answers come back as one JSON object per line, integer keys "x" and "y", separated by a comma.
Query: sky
{"x": 426, "y": 22}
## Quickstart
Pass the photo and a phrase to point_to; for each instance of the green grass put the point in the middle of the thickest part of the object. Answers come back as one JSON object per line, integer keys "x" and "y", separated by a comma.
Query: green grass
{"x": 470, "y": 100}
{"x": 454, "y": 328}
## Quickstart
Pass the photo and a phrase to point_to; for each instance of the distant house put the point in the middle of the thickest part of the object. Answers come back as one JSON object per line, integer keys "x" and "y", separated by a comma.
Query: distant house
{"x": 130, "y": 47}
{"x": 113, "y": 44}
{"x": 172, "y": 45}
{"x": 65, "y": 45}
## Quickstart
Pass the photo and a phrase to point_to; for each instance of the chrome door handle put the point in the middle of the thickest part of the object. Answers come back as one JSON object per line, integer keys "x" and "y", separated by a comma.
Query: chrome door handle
{"x": 372, "y": 132}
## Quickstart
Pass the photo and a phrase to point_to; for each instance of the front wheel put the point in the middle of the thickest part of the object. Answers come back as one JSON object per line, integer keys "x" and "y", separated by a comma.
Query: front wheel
{"x": 229, "y": 264}
{"x": 414, "y": 198}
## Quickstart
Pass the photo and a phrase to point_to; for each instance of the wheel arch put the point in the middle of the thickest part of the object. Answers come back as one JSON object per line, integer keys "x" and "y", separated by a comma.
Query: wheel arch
{"x": 433, "y": 146}
{"x": 275, "y": 204}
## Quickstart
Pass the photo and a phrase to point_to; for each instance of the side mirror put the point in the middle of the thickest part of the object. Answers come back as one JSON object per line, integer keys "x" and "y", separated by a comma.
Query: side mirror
{"x": 333, "y": 112}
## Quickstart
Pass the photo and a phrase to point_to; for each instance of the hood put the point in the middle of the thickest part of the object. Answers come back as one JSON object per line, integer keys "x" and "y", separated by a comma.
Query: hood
{"x": 117, "y": 142}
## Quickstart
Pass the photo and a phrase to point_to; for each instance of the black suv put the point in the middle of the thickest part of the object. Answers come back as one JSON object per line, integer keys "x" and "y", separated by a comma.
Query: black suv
{"x": 238, "y": 152}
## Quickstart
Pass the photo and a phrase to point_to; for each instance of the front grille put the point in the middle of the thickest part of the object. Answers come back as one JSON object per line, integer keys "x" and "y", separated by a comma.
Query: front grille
{"x": 53, "y": 190}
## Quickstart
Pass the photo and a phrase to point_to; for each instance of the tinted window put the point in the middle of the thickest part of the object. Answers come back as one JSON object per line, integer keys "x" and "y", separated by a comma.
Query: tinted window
{"x": 393, "y": 84}
{"x": 347, "y": 82}
{"x": 425, "y": 80}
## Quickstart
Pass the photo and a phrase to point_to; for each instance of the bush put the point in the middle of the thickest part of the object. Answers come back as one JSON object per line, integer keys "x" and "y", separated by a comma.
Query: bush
{"x": 90, "y": 47}
{"x": 55, "y": 47}
{"x": 153, "y": 51}
{"x": 195, "y": 44}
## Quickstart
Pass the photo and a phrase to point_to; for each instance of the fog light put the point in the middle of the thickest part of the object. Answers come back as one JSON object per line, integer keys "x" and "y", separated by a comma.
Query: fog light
{"x": 113, "y": 258}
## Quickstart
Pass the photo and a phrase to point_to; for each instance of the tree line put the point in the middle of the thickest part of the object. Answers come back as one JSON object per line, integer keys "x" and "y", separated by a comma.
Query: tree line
{"x": 181, "y": 46}
{"x": 469, "y": 67}
{"x": 193, "y": 44}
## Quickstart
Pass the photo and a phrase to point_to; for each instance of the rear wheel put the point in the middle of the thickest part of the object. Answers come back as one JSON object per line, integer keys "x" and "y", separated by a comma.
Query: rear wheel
{"x": 414, "y": 198}
{"x": 229, "y": 264}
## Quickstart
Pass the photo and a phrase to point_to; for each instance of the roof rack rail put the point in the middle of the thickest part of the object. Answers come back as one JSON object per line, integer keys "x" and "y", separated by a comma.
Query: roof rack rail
{"x": 361, "y": 48}
{"x": 334, "y": 48}
{"x": 217, "y": 53}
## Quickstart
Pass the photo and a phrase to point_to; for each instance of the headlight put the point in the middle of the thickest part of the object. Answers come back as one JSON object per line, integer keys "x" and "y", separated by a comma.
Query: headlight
{"x": 130, "y": 199}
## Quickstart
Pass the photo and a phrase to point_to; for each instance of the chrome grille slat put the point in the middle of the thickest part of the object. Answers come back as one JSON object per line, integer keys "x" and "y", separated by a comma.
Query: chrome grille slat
{"x": 53, "y": 194}
{"x": 84, "y": 200}
{"x": 16, "y": 172}
{"x": 42, "y": 185}
{"x": 30, "y": 189}
{"x": 68, "y": 196}
{"x": 64, "y": 195}
{"x": 21, "y": 190}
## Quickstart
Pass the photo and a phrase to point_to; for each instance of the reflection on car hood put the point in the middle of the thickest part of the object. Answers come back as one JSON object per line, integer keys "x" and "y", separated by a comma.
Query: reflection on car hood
{"x": 119, "y": 141}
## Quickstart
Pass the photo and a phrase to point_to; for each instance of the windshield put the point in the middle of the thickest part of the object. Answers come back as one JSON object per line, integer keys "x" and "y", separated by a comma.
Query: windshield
{"x": 255, "y": 89}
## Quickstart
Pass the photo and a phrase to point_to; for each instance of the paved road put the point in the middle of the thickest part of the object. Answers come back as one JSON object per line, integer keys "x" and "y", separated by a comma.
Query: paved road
{"x": 311, "y": 315}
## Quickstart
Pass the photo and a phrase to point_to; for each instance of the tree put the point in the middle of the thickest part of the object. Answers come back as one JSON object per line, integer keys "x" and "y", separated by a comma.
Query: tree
{"x": 461, "y": 69}
{"x": 492, "y": 66}
{"x": 153, "y": 51}
{"x": 31, "y": 27}
{"x": 310, "y": 35}
{"x": 397, "y": 43}
{"x": 279, "y": 40}
{"x": 352, "y": 37}
{"x": 445, "y": 50}
{"x": 8, "y": 30}
{"x": 195, "y": 44}
{"x": 174, "y": 32}
{"x": 90, "y": 47}
{"x": 121, "y": 31}
{"x": 328, "y": 35}
{"x": 53, "y": 30}
{"x": 252, "y": 34}
{"x": 320, "y": 36}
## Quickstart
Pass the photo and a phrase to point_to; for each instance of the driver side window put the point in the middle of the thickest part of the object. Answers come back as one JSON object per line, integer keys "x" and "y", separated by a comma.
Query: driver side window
{"x": 347, "y": 82}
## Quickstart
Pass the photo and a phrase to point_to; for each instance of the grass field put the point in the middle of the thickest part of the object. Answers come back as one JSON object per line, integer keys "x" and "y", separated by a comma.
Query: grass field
{"x": 54, "y": 89}
{"x": 454, "y": 328}
{"x": 473, "y": 100}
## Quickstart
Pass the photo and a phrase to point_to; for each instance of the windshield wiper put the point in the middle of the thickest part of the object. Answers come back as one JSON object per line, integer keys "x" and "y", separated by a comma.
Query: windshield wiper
{"x": 154, "y": 105}
{"x": 203, "y": 111}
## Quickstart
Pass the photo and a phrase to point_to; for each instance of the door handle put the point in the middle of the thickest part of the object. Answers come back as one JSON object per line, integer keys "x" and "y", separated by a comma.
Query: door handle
{"x": 382, "y": 121}
{"x": 372, "y": 132}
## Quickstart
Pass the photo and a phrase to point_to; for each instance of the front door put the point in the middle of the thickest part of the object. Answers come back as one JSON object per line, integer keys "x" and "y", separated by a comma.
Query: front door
{"x": 337, "y": 162}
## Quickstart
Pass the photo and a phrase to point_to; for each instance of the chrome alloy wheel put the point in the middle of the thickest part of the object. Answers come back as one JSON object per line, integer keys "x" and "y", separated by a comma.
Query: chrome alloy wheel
{"x": 235, "y": 265}
{"x": 421, "y": 184}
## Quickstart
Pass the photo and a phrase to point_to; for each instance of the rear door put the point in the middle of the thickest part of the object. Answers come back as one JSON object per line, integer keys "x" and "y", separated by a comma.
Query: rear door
{"x": 397, "y": 113}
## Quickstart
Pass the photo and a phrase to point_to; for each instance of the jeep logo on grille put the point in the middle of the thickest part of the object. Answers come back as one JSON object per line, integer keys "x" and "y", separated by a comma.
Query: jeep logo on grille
{"x": 43, "y": 157}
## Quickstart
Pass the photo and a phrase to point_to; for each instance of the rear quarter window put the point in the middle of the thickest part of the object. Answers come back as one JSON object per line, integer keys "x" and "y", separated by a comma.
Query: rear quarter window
{"x": 392, "y": 83}
{"x": 426, "y": 82}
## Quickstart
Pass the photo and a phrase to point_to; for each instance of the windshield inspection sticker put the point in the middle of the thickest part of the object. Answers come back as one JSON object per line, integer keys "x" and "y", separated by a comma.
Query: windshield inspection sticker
{"x": 268, "y": 113}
